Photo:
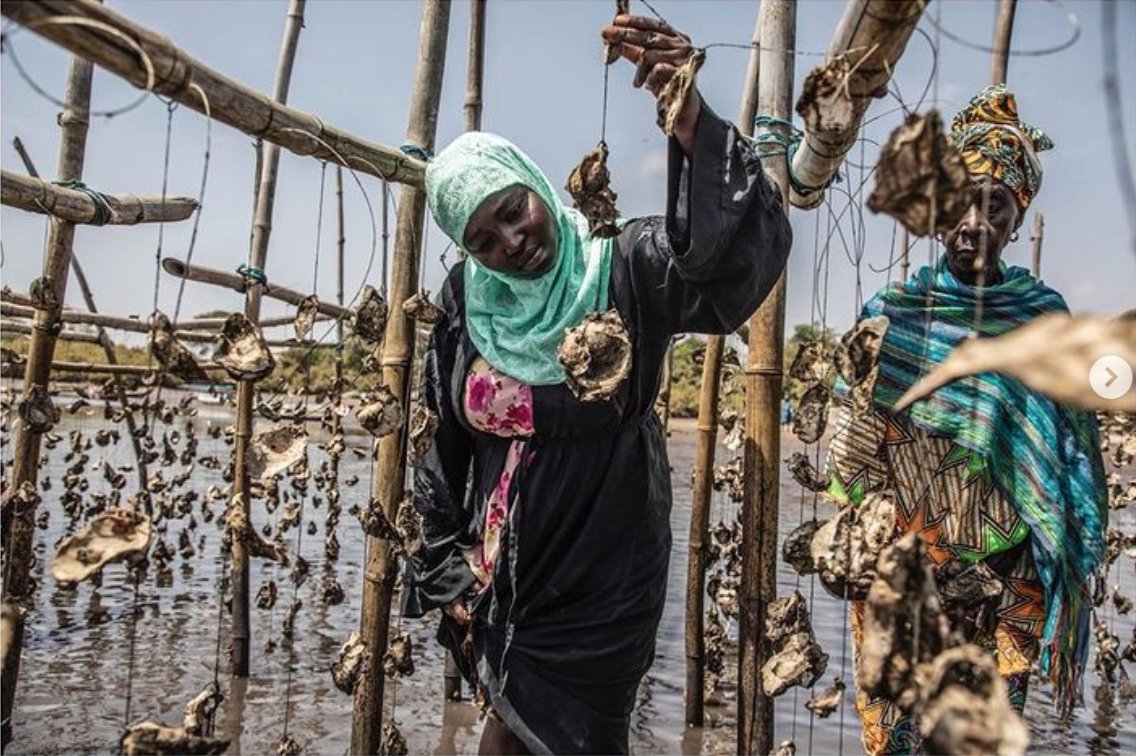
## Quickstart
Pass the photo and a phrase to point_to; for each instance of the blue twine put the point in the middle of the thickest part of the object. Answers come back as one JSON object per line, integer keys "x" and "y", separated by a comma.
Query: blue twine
{"x": 253, "y": 275}
{"x": 415, "y": 151}
{"x": 103, "y": 213}
{"x": 768, "y": 140}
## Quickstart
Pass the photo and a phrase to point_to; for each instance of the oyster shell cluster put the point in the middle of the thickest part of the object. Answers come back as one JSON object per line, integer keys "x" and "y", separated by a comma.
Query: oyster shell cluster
{"x": 921, "y": 179}
{"x": 589, "y": 185}
{"x": 596, "y": 355}
{"x": 380, "y": 414}
{"x": 797, "y": 658}
{"x": 421, "y": 309}
{"x": 369, "y": 318}
{"x": 846, "y": 548}
{"x": 242, "y": 350}
{"x": 350, "y": 664}
{"x": 112, "y": 536}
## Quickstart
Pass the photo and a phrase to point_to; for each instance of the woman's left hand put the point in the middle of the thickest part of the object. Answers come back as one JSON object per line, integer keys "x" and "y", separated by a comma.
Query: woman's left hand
{"x": 658, "y": 51}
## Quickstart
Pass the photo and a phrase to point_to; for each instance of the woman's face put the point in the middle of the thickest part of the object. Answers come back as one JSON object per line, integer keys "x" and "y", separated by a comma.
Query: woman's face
{"x": 512, "y": 232}
{"x": 975, "y": 245}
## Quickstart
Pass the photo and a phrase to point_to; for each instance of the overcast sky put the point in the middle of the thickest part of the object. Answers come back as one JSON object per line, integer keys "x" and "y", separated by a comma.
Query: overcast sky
{"x": 543, "y": 90}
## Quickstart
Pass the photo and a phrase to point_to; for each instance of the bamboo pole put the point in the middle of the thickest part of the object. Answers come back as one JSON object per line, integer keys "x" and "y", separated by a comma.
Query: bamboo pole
{"x": 37, "y": 373}
{"x": 189, "y": 330}
{"x": 1035, "y": 243}
{"x": 703, "y": 480}
{"x": 258, "y": 253}
{"x": 762, "y": 459}
{"x": 81, "y": 27}
{"x": 23, "y": 329}
{"x": 397, "y": 357}
{"x": 475, "y": 68}
{"x": 869, "y": 39}
{"x": 239, "y": 283}
{"x": 36, "y": 196}
{"x": 118, "y": 369}
{"x": 11, "y": 297}
{"x": 1003, "y": 30}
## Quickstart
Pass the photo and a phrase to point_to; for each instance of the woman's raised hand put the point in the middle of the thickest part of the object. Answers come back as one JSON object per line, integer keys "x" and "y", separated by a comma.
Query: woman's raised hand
{"x": 658, "y": 51}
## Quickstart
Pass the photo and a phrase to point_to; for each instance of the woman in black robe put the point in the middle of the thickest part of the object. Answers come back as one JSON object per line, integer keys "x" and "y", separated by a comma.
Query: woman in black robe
{"x": 577, "y": 502}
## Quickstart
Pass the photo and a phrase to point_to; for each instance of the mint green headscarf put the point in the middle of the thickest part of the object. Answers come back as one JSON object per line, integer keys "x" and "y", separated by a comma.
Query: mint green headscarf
{"x": 517, "y": 324}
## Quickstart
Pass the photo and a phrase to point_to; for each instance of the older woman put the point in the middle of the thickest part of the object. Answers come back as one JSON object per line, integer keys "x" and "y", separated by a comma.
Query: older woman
{"x": 546, "y": 517}
{"x": 984, "y": 470}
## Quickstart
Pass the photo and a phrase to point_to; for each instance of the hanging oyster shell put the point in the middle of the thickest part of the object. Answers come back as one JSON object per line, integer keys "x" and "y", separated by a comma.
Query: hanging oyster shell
{"x": 421, "y": 309}
{"x": 596, "y": 356}
{"x": 964, "y": 707}
{"x": 398, "y": 661}
{"x": 828, "y": 700}
{"x": 369, "y": 318}
{"x": 274, "y": 451}
{"x": 199, "y": 711}
{"x": 860, "y": 349}
{"x": 921, "y": 179}
{"x": 1051, "y": 354}
{"x": 845, "y": 548}
{"x": 408, "y": 522}
{"x": 331, "y": 591}
{"x": 289, "y": 628}
{"x": 673, "y": 97}
{"x": 287, "y": 746}
{"x": 266, "y": 596}
{"x": 797, "y": 659}
{"x": 787, "y": 748}
{"x": 306, "y": 314}
{"x": 802, "y": 470}
{"x": 810, "y": 363}
{"x": 903, "y": 626}
{"x": 37, "y": 410}
{"x": 393, "y": 743}
{"x": 812, "y": 414}
{"x": 825, "y": 103}
{"x": 239, "y": 526}
{"x": 110, "y": 537}
{"x": 148, "y": 738}
{"x": 375, "y": 523}
{"x": 352, "y": 661}
{"x": 797, "y": 548}
{"x": 242, "y": 350}
{"x": 589, "y": 184}
{"x": 423, "y": 425}
{"x": 962, "y": 586}
{"x": 171, "y": 354}
{"x": 381, "y": 412}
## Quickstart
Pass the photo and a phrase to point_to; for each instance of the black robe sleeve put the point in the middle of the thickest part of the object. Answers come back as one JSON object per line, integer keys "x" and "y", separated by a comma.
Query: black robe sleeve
{"x": 438, "y": 573}
{"x": 723, "y": 243}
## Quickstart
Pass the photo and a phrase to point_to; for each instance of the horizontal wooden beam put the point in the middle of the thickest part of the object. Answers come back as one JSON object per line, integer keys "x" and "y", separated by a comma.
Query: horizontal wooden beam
{"x": 77, "y": 206}
{"x": 23, "y": 329}
{"x": 238, "y": 282}
{"x": 151, "y": 61}
{"x": 107, "y": 369}
{"x": 188, "y": 330}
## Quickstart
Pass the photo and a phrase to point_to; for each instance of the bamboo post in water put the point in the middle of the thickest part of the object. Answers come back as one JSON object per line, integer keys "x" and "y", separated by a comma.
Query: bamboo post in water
{"x": 762, "y": 459}
{"x": 261, "y": 230}
{"x": 53, "y": 285}
{"x": 102, "y": 339}
{"x": 1003, "y": 30}
{"x": 397, "y": 356}
{"x": 150, "y": 60}
{"x": 1035, "y": 243}
{"x": 704, "y": 459}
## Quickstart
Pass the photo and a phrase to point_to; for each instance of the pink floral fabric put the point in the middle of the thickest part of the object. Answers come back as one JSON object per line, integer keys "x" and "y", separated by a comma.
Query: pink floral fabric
{"x": 498, "y": 404}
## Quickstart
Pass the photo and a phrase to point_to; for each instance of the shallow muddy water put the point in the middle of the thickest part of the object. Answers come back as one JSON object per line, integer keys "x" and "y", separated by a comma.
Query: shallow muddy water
{"x": 77, "y": 680}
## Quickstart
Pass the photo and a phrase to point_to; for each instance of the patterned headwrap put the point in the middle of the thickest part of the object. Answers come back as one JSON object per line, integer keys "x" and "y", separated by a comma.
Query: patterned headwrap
{"x": 995, "y": 143}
